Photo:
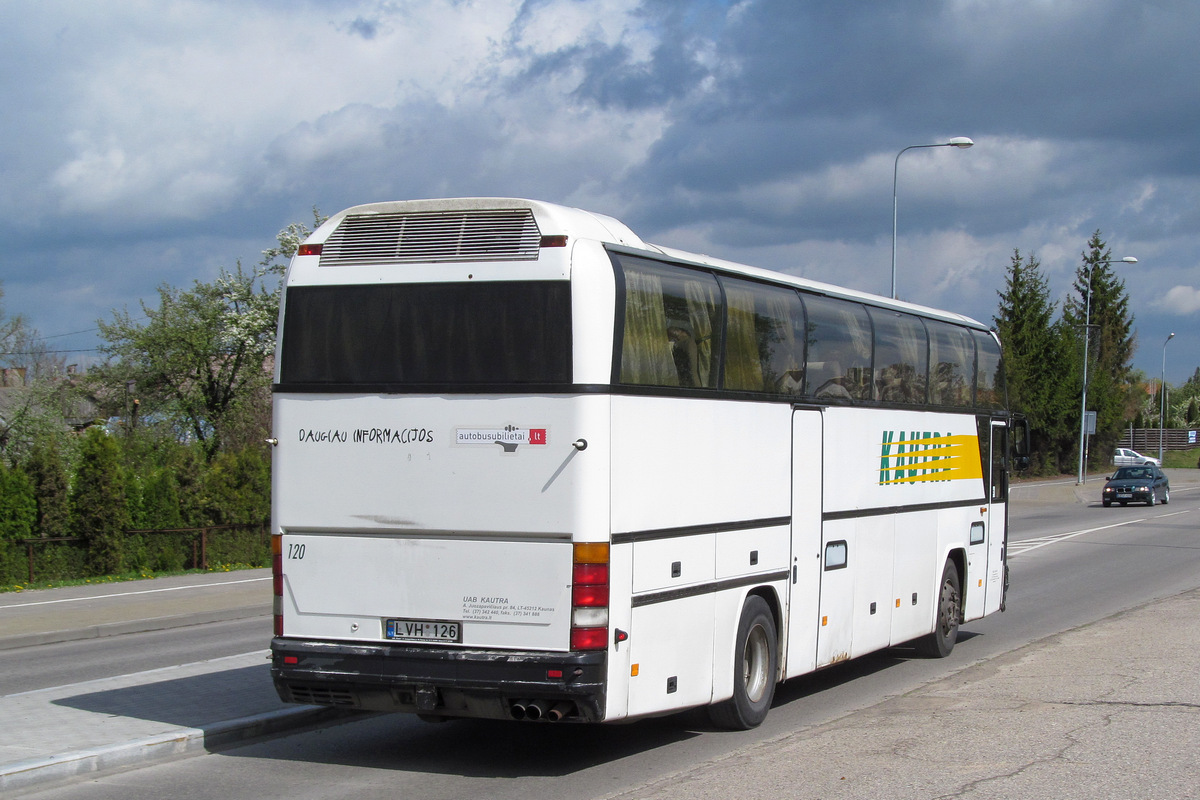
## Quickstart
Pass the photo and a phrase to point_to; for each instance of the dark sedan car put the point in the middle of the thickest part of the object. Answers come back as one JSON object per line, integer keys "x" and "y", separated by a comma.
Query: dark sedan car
{"x": 1145, "y": 484}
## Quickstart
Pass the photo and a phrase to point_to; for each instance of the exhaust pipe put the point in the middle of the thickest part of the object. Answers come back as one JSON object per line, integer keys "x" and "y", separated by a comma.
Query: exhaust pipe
{"x": 559, "y": 711}
{"x": 536, "y": 710}
{"x": 519, "y": 709}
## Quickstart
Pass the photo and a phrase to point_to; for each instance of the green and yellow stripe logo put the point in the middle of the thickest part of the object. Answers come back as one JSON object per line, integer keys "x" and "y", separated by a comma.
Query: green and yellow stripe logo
{"x": 912, "y": 457}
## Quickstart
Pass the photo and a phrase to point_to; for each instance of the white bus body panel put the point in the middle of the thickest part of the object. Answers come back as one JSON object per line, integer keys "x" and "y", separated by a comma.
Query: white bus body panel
{"x": 453, "y": 580}
{"x": 429, "y": 518}
{"x": 886, "y": 474}
{"x": 680, "y": 464}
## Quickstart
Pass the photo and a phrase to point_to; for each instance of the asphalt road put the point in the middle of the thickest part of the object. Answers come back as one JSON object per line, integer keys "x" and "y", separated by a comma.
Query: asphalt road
{"x": 30, "y": 668}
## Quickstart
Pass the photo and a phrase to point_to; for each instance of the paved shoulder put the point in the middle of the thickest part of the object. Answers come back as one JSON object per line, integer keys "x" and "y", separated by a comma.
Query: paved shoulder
{"x": 83, "y": 612}
{"x": 60, "y": 733}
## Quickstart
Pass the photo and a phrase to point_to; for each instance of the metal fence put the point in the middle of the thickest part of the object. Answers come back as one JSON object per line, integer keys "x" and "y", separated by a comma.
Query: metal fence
{"x": 1145, "y": 440}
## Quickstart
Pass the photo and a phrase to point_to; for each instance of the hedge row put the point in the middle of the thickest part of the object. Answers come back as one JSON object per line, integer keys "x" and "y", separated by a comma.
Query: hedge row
{"x": 102, "y": 504}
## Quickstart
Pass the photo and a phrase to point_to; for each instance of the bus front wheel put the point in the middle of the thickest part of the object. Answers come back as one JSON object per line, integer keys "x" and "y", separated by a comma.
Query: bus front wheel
{"x": 949, "y": 612}
{"x": 755, "y": 667}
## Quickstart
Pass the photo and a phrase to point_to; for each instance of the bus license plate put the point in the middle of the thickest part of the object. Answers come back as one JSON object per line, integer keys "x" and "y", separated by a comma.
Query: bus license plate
{"x": 423, "y": 630}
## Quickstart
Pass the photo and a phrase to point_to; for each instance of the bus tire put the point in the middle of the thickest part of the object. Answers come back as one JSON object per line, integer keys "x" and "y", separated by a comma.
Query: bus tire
{"x": 755, "y": 667}
{"x": 949, "y": 612}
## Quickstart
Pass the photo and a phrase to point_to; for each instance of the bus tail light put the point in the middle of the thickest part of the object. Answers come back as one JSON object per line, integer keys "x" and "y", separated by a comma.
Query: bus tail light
{"x": 309, "y": 250}
{"x": 277, "y": 582}
{"x": 589, "y": 596}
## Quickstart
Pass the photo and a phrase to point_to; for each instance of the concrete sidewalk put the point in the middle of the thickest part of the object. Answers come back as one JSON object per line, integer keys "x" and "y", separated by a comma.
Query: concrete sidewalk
{"x": 54, "y": 734}
{"x": 113, "y": 723}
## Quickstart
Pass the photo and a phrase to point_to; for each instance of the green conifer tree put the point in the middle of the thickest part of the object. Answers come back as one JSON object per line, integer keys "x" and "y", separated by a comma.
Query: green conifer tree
{"x": 99, "y": 499}
{"x": 1099, "y": 309}
{"x": 1035, "y": 359}
{"x": 51, "y": 489}
{"x": 18, "y": 510}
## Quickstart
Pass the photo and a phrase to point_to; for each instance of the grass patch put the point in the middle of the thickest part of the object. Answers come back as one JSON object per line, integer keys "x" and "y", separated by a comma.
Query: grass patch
{"x": 124, "y": 577}
{"x": 1181, "y": 458}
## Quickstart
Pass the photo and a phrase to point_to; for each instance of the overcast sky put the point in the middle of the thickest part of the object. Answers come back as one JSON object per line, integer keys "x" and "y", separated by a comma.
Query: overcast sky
{"x": 149, "y": 141}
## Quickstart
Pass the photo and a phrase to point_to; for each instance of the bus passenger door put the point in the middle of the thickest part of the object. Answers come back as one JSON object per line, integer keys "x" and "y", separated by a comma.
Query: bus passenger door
{"x": 804, "y": 585}
{"x": 997, "y": 517}
{"x": 984, "y": 589}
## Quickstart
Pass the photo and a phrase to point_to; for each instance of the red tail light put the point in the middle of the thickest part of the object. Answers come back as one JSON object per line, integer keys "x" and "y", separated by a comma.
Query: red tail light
{"x": 309, "y": 250}
{"x": 589, "y": 596}
{"x": 589, "y": 638}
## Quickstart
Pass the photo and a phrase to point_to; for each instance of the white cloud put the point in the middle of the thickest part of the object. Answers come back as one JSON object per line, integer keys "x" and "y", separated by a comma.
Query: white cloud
{"x": 1181, "y": 300}
{"x": 182, "y": 110}
{"x": 562, "y": 24}
{"x": 170, "y": 106}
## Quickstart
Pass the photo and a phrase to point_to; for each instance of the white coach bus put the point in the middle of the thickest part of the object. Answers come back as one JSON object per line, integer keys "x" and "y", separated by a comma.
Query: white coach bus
{"x": 528, "y": 466}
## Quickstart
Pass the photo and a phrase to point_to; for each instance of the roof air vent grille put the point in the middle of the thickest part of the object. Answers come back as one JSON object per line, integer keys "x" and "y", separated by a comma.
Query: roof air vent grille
{"x": 437, "y": 236}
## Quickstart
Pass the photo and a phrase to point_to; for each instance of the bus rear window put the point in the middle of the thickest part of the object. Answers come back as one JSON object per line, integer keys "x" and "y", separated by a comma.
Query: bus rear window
{"x": 434, "y": 335}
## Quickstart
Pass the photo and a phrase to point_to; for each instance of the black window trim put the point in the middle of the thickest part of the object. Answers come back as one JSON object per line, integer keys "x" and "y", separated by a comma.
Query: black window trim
{"x": 615, "y": 254}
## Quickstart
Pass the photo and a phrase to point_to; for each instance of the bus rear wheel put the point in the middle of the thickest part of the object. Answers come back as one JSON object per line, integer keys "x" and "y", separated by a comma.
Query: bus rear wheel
{"x": 755, "y": 667}
{"x": 945, "y": 633}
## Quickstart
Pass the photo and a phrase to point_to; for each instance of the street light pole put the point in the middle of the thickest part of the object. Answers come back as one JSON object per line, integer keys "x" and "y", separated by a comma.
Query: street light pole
{"x": 960, "y": 142}
{"x": 1162, "y": 411}
{"x": 1087, "y": 324}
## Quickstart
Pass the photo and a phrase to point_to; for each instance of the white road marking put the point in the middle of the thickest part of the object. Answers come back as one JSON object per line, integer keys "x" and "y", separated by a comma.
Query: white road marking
{"x": 1025, "y": 545}
{"x": 130, "y": 594}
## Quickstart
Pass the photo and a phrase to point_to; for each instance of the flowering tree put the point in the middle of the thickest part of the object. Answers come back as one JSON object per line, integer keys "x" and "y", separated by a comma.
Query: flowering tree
{"x": 199, "y": 362}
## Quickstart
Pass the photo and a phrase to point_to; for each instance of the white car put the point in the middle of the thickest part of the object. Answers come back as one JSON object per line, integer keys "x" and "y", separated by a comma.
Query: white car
{"x": 1124, "y": 457}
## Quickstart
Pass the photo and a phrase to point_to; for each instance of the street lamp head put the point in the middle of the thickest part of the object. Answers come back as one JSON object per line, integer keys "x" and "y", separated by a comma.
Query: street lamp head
{"x": 1169, "y": 338}
{"x": 961, "y": 142}
{"x": 1129, "y": 260}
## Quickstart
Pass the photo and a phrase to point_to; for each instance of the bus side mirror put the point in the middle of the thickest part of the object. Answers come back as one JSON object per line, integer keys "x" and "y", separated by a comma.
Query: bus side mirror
{"x": 1021, "y": 446}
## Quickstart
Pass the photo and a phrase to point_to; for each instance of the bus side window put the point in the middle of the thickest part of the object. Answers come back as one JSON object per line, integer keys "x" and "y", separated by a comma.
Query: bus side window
{"x": 647, "y": 356}
{"x": 989, "y": 377}
{"x": 671, "y": 325}
{"x": 838, "y": 335}
{"x": 764, "y": 338}
{"x": 701, "y": 294}
{"x": 901, "y": 357}
{"x": 952, "y": 364}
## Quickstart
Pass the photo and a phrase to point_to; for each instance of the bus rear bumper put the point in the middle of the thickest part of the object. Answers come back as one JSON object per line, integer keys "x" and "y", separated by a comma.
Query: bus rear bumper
{"x": 440, "y": 681}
